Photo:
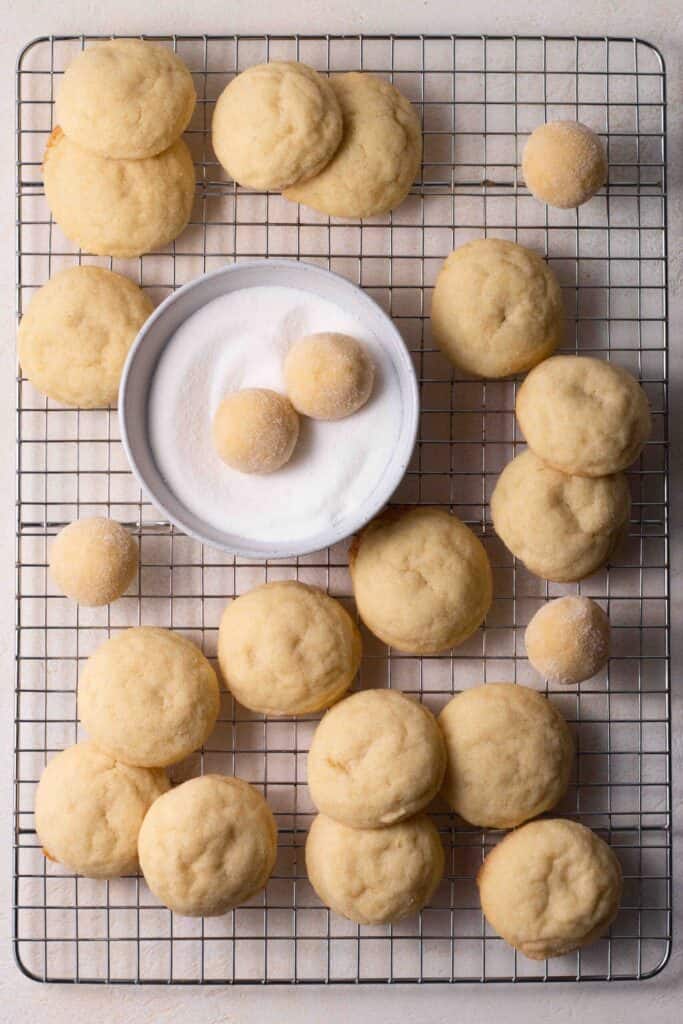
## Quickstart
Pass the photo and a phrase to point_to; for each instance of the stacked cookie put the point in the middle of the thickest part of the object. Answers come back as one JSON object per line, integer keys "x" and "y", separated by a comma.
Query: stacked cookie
{"x": 347, "y": 146}
{"x": 376, "y": 760}
{"x": 119, "y": 180}
{"x": 562, "y": 506}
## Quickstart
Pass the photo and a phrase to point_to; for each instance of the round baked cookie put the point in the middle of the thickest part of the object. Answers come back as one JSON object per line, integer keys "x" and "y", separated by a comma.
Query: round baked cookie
{"x": 75, "y": 335}
{"x": 148, "y": 696}
{"x": 374, "y": 876}
{"x": 276, "y": 124}
{"x": 583, "y": 416}
{"x": 118, "y": 207}
{"x": 497, "y": 308}
{"x": 208, "y": 845}
{"x": 376, "y": 758}
{"x": 125, "y": 98}
{"x": 89, "y": 809}
{"x": 567, "y": 640}
{"x": 287, "y": 649}
{"x": 421, "y": 579}
{"x": 255, "y": 430}
{"x": 564, "y": 163}
{"x": 93, "y": 561}
{"x": 561, "y": 527}
{"x": 329, "y": 376}
{"x": 379, "y": 156}
{"x": 510, "y": 754}
{"x": 550, "y": 887}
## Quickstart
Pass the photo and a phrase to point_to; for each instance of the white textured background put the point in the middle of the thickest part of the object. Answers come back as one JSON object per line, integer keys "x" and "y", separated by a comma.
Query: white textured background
{"x": 659, "y": 21}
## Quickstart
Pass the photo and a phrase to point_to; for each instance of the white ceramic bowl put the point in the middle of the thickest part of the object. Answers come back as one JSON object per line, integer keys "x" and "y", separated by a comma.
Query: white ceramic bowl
{"x": 141, "y": 365}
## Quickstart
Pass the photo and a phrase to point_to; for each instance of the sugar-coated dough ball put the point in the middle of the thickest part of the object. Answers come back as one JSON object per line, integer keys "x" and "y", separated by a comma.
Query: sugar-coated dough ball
{"x": 510, "y": 754}
{"x": 287, "y": 649}
{"x": 125, "y": 98}
{"x": 376, "y": 758}
{"x": 148, "y": 696}
{"x": 93, "y": 561}
{"x": 89, "y": 809}
{"x": 276, "y": 124}
{"x": 564, "y": 163}
{"x": 561, "y": 527}
{"x": 567, "y": 640}
{"x": 421, "y": 579}
{"x": 118, "y": 207}
{"x": 374, "y": 876}
{"x": 255, "y": 430}
{"x": 328, "y": 376}
{"x": 550, "y": 887}
{"x": 208, "y": 845}
{"x": 584, "y": 416}
{"x": 497, "y": 308}
{"x": 379, "y": 156}
{"x": 75, "y": 335}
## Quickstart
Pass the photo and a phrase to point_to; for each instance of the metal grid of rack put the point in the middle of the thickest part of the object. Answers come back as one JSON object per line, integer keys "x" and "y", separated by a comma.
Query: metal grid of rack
{"x": 479, "y": 97}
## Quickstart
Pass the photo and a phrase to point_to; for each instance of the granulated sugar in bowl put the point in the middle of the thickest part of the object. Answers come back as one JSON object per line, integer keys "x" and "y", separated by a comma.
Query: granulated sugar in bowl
{"x": 230, "y": 330}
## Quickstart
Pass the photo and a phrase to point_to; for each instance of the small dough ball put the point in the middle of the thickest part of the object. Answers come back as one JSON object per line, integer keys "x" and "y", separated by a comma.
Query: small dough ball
{"x": 148, "y": 696}
{"x": 379, "y": 156}
{"x": 376, "y": 758}
{"x": 583, "y": 416}
{"x": 208, "y": 845}
{"x": 567, "y": 640}
{"x": 276, "y": 124}
{"x": 564, "y": 163}
{"x": 561, "y": 527}
{"x": 550, "y": 887}
{"x": 421, "y": 579}
{"x": 329, "y": 376}
{"x": 118, "y": 207}
{"x": 89, "y": 809}
{"x": 287, "y": 649}
{"x": 510, "y": 754}
{"x": 75, "y": 335}
{"x": 125, "y": 99}
{"x": 255, "y": 430}
{"x": 497, "y": 308}
{"x": 374, "y": 876}
{"x": 93, "y": 561}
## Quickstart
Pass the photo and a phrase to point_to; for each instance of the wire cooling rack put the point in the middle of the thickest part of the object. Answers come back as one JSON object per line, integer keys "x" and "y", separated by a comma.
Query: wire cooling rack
{"x": 479, "y": 98}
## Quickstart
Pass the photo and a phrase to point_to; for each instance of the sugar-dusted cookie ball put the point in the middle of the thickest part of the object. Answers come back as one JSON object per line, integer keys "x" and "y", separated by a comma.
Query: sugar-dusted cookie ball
{"x": 564, "y": 163}
{"x": 380, "y": 153}
{"x": 328, "y": 376}
{"x": 208, "y": 845}
{"x": 567, "y": 640}
{"x": 510, "y": 754}
{"x": 89, "y": 809}
{"x": 255, "y": 430}
{"x": 125, "y": 98}
{"x": 421, "y": 579}
{"x": 497, "y": 308}
{"x": 583, "y": 416}
{"x": 276, "y": 124}
{"x": 118, "y": 207}
{"x": 374, "y": 876}
{"x": 561, "y": 527}
{"x": 75, "y": 335}
{"x": 376, "y": 758}
{"x": 550, "y": 887}
{"x": 287, "y": 649}
{"x": 93, "y": 561}
{"x": 148, "y": 696}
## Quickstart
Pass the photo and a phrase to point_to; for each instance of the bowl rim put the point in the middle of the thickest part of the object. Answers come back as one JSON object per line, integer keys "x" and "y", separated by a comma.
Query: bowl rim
{"x": 282, "y": 549}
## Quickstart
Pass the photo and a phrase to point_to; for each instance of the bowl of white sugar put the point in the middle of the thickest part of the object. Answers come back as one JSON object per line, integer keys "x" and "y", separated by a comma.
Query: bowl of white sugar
{"x": 230, "y": 330}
